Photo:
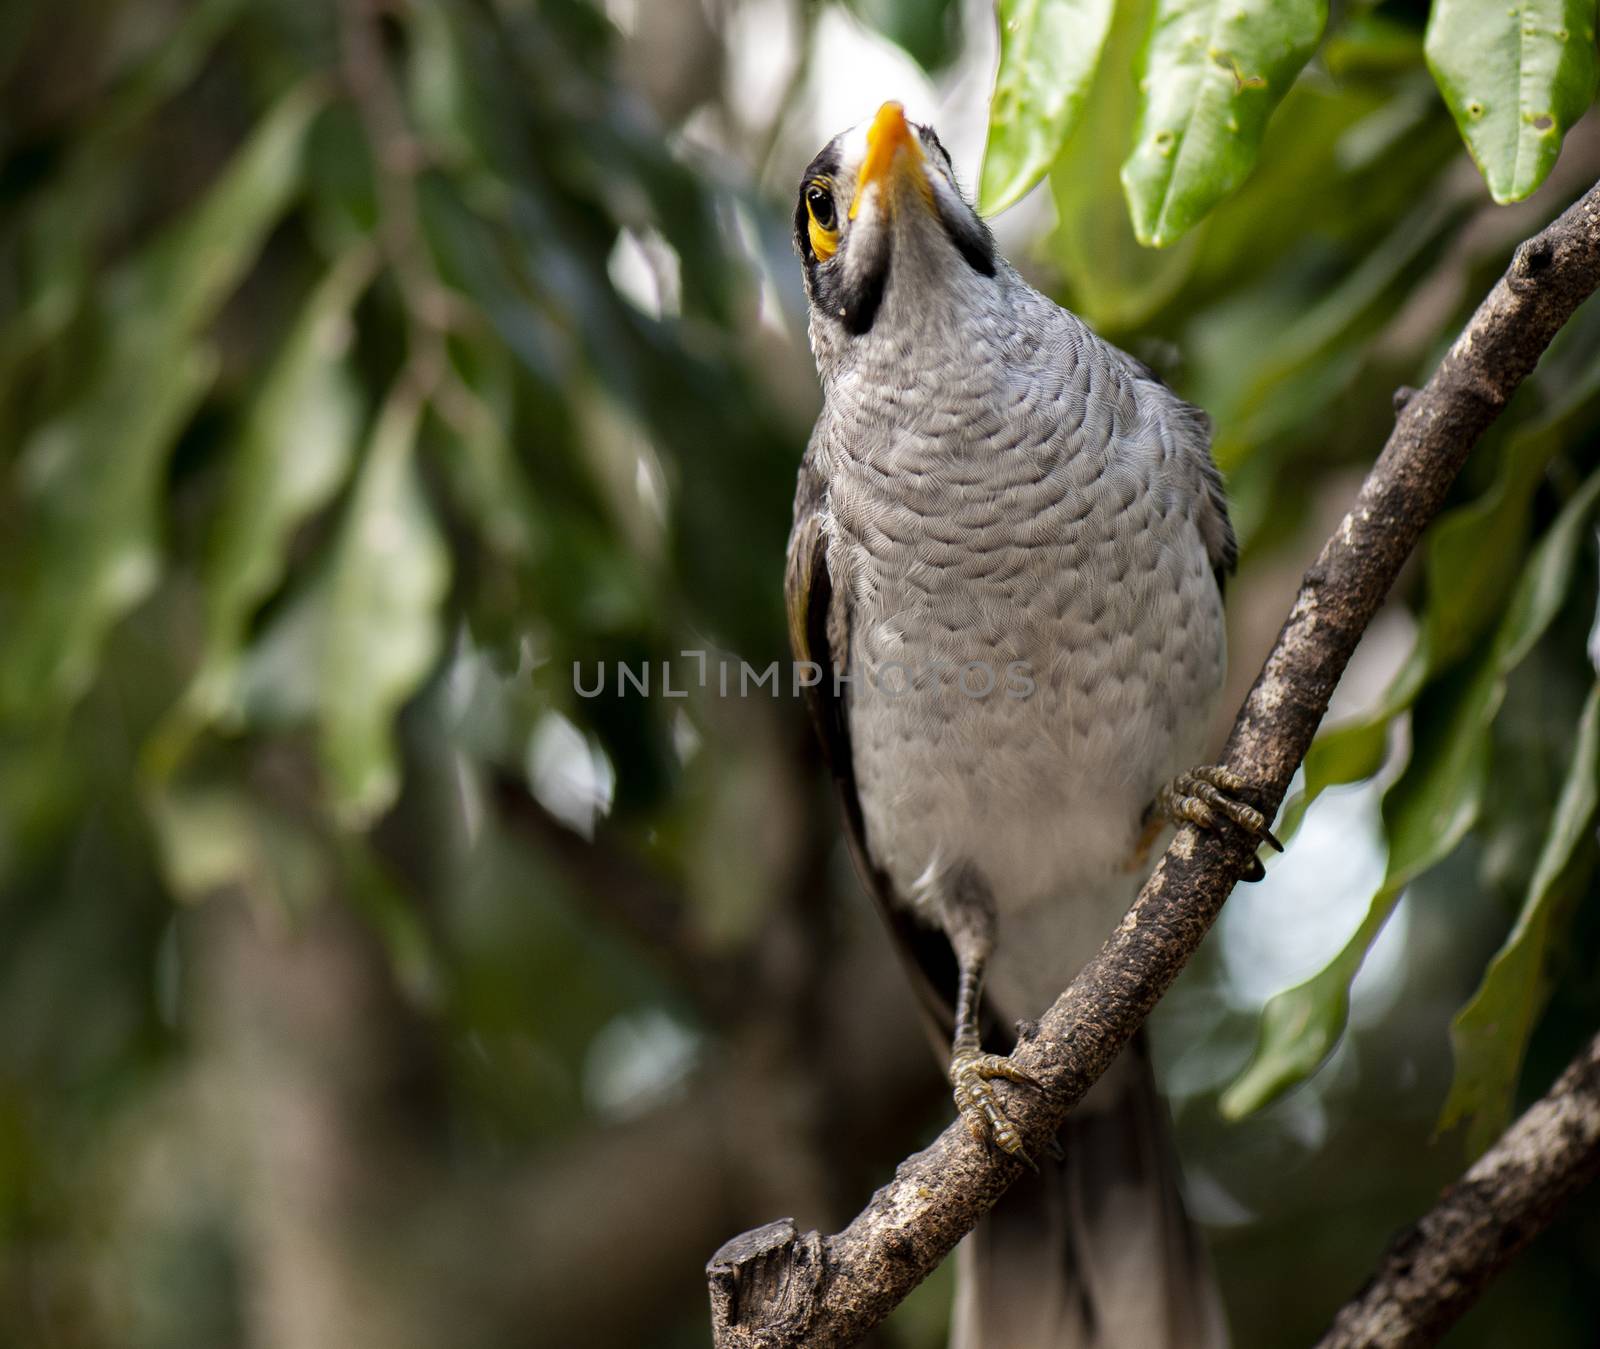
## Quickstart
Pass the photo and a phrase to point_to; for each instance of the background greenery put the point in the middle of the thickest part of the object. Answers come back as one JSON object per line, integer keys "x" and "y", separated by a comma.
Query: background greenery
{"x": 365, "y": 366}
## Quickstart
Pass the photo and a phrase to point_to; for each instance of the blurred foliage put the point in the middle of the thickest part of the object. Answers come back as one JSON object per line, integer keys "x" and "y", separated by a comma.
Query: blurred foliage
{"x": 375, "y": 378}
{"x": 1512, "y": 994}
{"x": 1426, "y": 813}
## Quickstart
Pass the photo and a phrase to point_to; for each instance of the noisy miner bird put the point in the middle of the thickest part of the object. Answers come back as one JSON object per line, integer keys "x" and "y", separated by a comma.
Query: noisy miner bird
{"x": 1007, "y": 560}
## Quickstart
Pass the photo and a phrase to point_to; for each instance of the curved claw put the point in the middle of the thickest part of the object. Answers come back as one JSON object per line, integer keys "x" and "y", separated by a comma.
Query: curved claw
{"x": 1207, "y": 795}
{"x": 971, "y": 1073}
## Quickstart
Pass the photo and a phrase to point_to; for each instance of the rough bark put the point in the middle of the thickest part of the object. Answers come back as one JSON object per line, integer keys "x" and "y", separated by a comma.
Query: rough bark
{"x": 1434, "y": 1271}
{"x": 776, "y": 1287}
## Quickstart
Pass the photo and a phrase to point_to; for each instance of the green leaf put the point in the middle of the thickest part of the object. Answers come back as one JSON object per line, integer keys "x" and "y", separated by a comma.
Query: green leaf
{"x": 379, "y": 629}
{"x": 1210, "y": 75}
{"x": 1115, "y": 284}
{"x": 91, "y": 479}
{"x": 294, "y": 451}
{"x": 1516, "y": 77}
{"x": 1355, "y": 750}
{"x": 1295, "y": 1036}
{"x": 348, "y": 650}
{"x": 296, "y": 448}
{"x": 1048, "y": 52}
{"x": 1467, "y": 552}
{"x": 1489, "y": 1035}
{"x": 476, "y": 404}
{"x": 1427, "y": 812}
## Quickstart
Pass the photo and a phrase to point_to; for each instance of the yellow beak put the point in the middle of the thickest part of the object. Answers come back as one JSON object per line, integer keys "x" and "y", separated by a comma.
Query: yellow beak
{"x": 889, "y": 134}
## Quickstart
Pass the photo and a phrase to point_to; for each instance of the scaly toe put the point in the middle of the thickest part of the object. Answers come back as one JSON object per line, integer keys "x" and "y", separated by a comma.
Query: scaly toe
{"x": 1206, "y": 795}
{"x": 971, "y": 1073}
{"x": 1195, "y": 811}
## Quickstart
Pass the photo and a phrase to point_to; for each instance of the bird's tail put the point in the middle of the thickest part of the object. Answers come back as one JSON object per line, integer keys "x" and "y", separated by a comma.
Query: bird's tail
{"x": 1097, "y": 1251}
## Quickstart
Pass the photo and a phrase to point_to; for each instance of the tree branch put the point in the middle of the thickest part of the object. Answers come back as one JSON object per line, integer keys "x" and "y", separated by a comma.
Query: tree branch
{"x": 773, "y": 1287}
{"x": 1434, "y": 1271}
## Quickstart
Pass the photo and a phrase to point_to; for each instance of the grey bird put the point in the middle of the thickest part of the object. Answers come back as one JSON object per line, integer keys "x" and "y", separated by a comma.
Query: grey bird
{"x": 1006, "y": 569}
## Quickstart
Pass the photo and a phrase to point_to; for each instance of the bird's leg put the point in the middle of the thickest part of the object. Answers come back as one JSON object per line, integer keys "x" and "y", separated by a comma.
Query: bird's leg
{"x": 970, "y": 925}
{"x": 1206, "y": 796}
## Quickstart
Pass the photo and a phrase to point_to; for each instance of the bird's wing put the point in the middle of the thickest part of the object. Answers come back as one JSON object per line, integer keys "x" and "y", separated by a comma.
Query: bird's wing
{"x": 1186, "y": 430}
{"x": 819, "y": 631}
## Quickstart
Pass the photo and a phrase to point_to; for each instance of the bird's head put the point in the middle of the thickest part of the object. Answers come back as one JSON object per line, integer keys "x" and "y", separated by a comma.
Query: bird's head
{"x": 882, "y": 229}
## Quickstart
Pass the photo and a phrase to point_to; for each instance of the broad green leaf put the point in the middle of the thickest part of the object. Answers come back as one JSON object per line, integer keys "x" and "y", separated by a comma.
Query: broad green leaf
{"x": 1210, "y": 75}
{"x": 1516, "y": 77}
{"x": 294, "y": 450}
{"x": 1490, "y": 1034}
{"x": 1115, "y": 284}
{"x": 91, "y": 479}
{"x": 1048, "y": 51}
{"x": 1426, "y": 813}
{"x": 378, "y": 612}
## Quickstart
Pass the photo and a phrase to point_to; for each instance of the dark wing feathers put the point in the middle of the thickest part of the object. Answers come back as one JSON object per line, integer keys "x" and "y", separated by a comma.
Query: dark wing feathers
{"x": 819, "y": 631}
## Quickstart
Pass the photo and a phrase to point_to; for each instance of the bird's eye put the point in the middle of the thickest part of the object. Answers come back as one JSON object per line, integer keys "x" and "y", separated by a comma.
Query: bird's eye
{"x": 819, "y": 201}
{"x": 823, "y": 226}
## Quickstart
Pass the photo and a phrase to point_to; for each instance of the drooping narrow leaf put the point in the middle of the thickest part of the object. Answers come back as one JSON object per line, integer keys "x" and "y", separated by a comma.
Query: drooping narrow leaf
{"x": 1516, "y": 76}
{"x": 1210, "y": 75}
{"x": 91, "y": 478}
{"x": 1490, "y": 1034}
{"x": 1426, "y": 814}
{"x": 378, "y": 614}
{"x": 1048, "y": 52}
{"x": 1467, "y": 552}
{"x": 347, "y": 650}
{"x": 293, "y": 451}
{"x": 478, "y": 461}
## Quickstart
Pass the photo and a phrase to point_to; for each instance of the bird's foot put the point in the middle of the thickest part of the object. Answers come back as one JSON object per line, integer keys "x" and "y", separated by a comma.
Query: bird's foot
{"x": 972, "y": 1074}
{"x": 1206, "y": 796}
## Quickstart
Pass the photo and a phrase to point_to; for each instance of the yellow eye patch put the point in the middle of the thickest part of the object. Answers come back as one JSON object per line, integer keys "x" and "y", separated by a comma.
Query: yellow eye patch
{"x": 822, "y": 226}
